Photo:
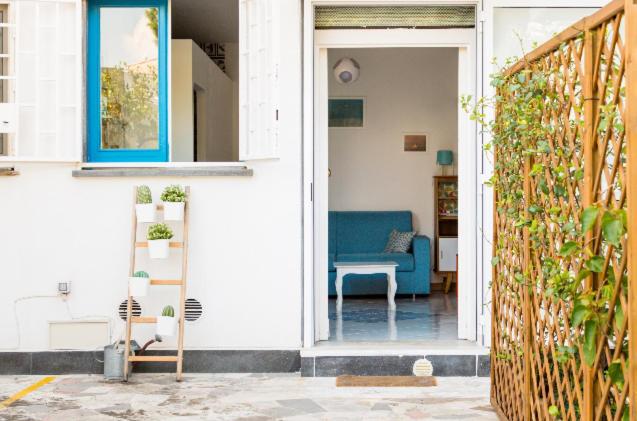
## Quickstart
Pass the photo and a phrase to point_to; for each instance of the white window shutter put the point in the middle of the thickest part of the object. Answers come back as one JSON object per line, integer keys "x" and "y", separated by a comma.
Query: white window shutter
{"x": 48, "y": 80}
{"x": 258, "y": 79}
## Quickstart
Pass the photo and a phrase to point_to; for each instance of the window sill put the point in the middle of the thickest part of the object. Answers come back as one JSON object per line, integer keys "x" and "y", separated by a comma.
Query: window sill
{"x": 186, "y": 171}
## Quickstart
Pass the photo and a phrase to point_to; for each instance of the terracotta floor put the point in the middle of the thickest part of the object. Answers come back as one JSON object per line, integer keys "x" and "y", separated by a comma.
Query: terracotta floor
{"x": 246, "y": 397}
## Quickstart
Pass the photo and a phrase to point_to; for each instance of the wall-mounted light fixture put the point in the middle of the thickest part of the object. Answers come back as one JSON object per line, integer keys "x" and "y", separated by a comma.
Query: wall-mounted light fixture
{"x": 346, "y": 70}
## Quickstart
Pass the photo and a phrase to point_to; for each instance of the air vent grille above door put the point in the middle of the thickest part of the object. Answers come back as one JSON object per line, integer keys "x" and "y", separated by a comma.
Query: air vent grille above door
{"x": 382, "y": 17}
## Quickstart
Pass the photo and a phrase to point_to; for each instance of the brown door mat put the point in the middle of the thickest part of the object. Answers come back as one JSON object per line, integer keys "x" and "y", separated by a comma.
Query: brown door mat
{"x": 385, "y": 381}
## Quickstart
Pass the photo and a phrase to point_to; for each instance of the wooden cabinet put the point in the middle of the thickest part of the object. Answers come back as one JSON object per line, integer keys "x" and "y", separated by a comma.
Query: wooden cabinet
{"x": 446, "y": 223}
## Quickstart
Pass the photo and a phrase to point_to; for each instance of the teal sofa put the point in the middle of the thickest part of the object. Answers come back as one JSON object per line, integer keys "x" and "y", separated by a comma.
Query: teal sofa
{"x": 361, "y": 236}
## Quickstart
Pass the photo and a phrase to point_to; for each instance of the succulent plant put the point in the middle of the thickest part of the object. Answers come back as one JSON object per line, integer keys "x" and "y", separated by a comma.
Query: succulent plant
{"x": 159, "y": 232}
{"x": 144, "y": 196}
{"x": 174, "y": 193}
{"x": 141, "y": 274}
{"x": 168, "y": 311}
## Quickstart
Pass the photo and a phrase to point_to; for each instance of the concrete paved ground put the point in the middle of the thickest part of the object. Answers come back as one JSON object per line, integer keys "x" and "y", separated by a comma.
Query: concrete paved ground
{"x": 253, "y": 397}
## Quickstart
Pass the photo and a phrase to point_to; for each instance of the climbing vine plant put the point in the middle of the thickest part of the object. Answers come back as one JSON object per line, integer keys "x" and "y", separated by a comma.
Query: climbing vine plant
{"x": 560, "y": 280}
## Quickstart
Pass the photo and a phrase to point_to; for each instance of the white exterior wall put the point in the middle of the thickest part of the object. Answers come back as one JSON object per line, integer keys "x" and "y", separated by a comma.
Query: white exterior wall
{"x": 245, "y": 240}
{"x": 246, "y": 233}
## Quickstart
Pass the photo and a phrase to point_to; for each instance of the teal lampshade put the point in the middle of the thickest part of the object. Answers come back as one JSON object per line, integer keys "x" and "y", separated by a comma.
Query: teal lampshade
{"x": 444, "y": 157}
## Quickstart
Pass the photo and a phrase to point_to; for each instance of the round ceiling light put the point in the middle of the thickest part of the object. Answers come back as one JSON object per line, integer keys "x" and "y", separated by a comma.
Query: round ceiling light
{"x": 346, "y": 70}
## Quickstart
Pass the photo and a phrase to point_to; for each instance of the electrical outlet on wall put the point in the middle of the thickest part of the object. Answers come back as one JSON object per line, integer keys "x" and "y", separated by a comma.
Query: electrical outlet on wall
{"x": 64, "y": 288}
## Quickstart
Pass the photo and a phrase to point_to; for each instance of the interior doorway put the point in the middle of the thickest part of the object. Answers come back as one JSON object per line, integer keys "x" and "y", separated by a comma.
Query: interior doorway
{"x": 462, "y": 42}
{"x": 392, "y": 192}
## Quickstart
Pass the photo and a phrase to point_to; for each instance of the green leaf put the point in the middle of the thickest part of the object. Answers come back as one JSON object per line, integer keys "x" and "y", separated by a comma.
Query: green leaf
{"x": 495, "y": 260}
{"x": 612, "y": 228}
{"x": 590, "y": 342}
{"x": 595, "y": 264}
{"x": 568, "y": 248}
{"x": 589, "y": 216}
{"x": 580, "y": 313}
{"x": 553, "y": 411}
{"x": 619, "y": 316}
{"x": 616, "y": 374}
{"x": 582, "y": 274}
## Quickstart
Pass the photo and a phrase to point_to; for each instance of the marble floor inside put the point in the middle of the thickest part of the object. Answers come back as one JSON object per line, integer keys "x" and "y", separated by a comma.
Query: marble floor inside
{"x": 367, "y": 319}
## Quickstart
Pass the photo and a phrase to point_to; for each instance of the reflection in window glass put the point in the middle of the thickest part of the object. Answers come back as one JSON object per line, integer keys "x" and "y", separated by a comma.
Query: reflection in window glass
{"x": 518, "y": 29}
{"x": 129, "y": 78}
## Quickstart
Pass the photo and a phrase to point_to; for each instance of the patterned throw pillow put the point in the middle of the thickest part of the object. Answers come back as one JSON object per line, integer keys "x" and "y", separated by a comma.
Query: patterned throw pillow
{"x": 399, "y": 242}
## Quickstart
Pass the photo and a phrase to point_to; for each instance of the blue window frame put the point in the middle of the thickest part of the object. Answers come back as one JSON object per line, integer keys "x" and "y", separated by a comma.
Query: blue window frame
{"x": 127, "y": 109}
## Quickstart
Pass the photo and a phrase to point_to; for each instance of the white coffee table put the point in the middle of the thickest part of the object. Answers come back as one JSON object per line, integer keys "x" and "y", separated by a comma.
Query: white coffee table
{"x": 366, "y": 268}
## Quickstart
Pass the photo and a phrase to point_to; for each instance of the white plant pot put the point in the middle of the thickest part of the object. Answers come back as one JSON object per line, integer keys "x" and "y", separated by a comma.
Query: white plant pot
{"x": 166, "y": 326}
{"x": 138, "y": 286}
{"x": 173, "y": 211}
{"x": 158, "y": 249}
{"x": 145, "y": 212}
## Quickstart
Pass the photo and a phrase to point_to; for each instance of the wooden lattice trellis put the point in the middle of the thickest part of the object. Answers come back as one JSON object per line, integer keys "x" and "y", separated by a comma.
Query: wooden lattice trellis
{"x": 584, "y": 155}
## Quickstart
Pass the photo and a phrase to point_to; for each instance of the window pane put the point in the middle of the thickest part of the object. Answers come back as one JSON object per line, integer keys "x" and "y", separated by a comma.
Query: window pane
{"x": 518, "y": 29}
{"x": 129, "y": 78}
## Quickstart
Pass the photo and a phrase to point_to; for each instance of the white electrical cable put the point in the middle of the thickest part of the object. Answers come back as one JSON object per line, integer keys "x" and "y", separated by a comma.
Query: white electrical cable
{"x": 68, "y": 309}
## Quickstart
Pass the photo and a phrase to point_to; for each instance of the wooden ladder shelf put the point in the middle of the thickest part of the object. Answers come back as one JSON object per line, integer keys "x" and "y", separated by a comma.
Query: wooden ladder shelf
{"x": 181, "y": 283}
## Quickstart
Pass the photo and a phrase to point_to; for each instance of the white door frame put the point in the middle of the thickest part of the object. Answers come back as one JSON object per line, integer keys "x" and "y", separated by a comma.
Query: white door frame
{"x": 315, "y": 158}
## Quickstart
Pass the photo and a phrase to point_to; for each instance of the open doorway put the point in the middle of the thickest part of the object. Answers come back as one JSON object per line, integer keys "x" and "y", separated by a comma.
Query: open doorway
{"x": 393, "y": 196}
{"x": 324, "y": 43}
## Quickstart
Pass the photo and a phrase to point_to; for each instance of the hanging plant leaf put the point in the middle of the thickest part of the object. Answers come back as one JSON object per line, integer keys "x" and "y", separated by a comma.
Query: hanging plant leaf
{"x": 595, "y": 264}
{"x": 612, "y": 228}
{"x": 568, "y": 248}
{"x": 619, "y": 316}
{"x": 590, "y": 342}
{"x": 589, "y": 216}
{"x": 553, "y": 411}
{"x": 616, "y": 374}
{"x": 580, "y": 313}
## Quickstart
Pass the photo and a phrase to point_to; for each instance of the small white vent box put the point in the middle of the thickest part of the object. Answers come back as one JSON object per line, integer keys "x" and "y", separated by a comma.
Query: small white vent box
{"x": 79, "y": 334}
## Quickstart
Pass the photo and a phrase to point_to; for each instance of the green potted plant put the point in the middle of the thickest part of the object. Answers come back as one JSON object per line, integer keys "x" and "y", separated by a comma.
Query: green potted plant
{"x": 138, "y": 284}
{"x": 174, "y": 198}
{"x": 144, "y": 208}
{"x": 166, "y": 323}
{"x": 159, "y": 236}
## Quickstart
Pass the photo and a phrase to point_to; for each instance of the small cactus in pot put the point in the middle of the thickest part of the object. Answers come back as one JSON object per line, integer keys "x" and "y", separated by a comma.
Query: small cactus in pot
{"x": 167, "y": 322}
{"x": 138, "y": 284}
{"x": 144, "y": 207}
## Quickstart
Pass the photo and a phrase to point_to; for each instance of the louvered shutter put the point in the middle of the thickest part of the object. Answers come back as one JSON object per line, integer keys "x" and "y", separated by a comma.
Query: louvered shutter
{"x": 46, "y": 47}
{"x": 258, "y": 79}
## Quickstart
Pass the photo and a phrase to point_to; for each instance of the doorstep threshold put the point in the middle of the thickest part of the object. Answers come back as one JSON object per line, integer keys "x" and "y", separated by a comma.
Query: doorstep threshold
{"x": 434, "y": 347}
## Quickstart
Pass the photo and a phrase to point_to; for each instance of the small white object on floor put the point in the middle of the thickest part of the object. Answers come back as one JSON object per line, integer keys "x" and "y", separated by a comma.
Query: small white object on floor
{"x": 423, "y": 367}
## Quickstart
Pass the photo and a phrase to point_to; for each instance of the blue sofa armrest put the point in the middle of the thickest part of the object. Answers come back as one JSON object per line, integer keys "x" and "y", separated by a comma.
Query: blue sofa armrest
{"x": 422, "y": 261}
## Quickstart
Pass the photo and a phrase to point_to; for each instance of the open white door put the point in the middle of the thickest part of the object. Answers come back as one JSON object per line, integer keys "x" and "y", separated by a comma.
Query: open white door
{"x": 321, "y": 207}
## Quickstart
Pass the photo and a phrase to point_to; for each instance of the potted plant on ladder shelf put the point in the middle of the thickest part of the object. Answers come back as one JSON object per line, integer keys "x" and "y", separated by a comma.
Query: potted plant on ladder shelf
{"x": 138, "y": 284}
{"x": 167, "y": 322}
{"x": 174, "y": 198}
{"x": 144, "y": 209}
{"x": 159, "y": 236}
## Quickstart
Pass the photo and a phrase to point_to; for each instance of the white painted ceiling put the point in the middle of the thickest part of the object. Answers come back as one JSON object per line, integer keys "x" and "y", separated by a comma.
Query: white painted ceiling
{"x": 206, "y": 20}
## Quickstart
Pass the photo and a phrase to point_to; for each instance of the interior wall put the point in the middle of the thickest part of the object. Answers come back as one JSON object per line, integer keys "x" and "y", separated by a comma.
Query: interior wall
{"x": 193, "y": 69}
{"x": 407, "y": 90}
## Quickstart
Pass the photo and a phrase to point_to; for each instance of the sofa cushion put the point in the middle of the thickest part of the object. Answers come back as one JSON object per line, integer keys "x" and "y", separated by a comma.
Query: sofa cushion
{"x": 405, "y": 260}
{"x": 399, "y": 242}
{"x": 368, "y": 231}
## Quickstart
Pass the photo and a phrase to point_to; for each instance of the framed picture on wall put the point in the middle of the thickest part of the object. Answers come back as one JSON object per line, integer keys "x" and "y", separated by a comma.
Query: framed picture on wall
{"x": 346, "y": 112}
{"x": 415, "y": 142}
